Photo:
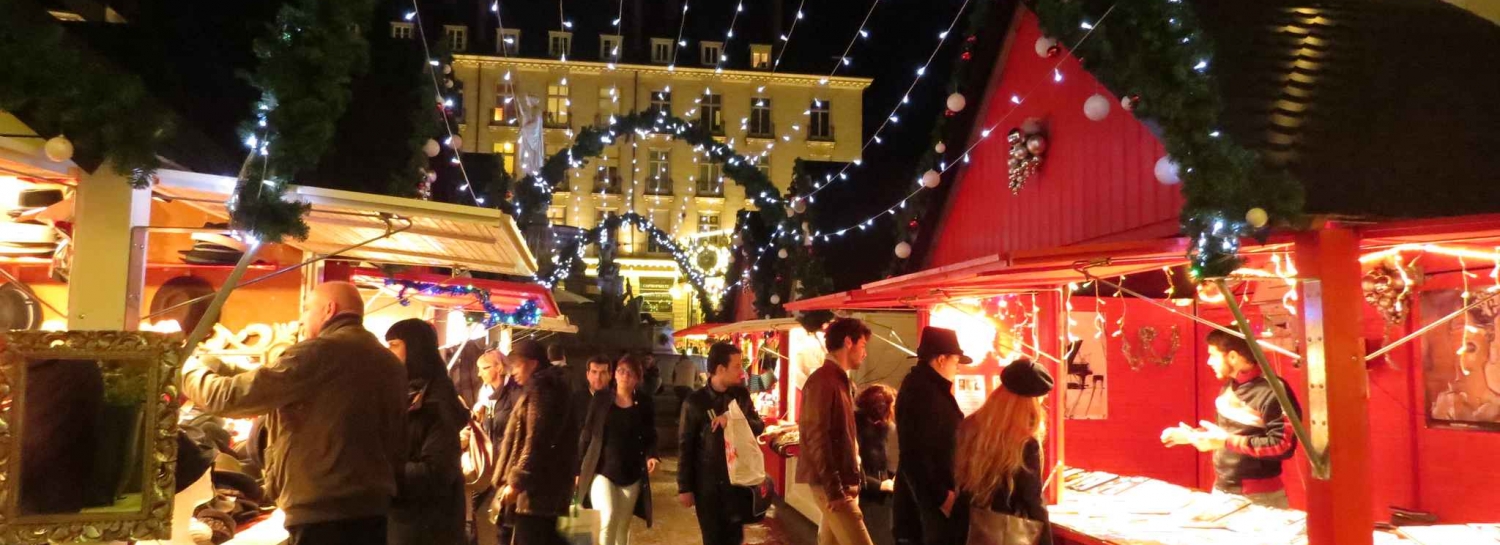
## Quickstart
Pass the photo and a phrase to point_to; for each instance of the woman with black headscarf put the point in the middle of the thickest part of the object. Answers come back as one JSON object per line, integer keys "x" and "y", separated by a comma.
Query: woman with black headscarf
{"x": 429, "y": 503}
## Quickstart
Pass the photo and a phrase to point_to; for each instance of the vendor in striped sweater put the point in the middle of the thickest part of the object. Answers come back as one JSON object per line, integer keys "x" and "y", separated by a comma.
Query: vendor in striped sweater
{"x": 1252, "y": 435}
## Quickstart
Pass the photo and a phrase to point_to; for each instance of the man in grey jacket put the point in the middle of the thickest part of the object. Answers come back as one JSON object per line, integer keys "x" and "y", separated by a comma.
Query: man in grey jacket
{"x": 336, "y": 406}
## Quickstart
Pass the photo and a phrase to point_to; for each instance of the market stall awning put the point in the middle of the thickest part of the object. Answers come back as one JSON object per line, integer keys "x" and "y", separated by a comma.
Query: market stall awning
{"x": 506, "y": 295}
{"x": 1005, "y": 273}
{"x": 753, "y": 326}
{"x": 702, "y": 329}
{"x": 441, "y": 234}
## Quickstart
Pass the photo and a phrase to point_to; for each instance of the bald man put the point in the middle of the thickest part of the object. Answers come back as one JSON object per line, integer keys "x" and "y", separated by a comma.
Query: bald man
{"x": 336, "y": 405}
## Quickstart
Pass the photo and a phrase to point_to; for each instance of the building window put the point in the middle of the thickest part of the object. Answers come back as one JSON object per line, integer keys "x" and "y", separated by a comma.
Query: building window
{"x": 661, "y": 219}
{"x": 607, "y": 176}
{"x": 507, "y": 153}
{"x": 713, "y": 53}
{"x": 602, "y": 214}
{"x": 401, "y": 31}
{"x": 559, "y": 43}
{"x": 609, "y": 47}
{"x": 712, "y": 113}
{"x": 458, "y": 37}
{"x": 708, "y": 221}
{"x": 607, "y": 102}
{"x": 710, "y": 179}
{"x": 659, "y": 179}
{"x": 557, "y": 215}
{"x": 557, "y": 104}
{"x": 760, "y": 56}
{"x": 764, "y": 166}
{"x": 510, "y": 41}
{"x": 661, "y": 50}
{"x": 661, "y": 103}
{"x": 760, "y": 118}
{"x": 820, "y": 126}
{"x": 505, "y": 110}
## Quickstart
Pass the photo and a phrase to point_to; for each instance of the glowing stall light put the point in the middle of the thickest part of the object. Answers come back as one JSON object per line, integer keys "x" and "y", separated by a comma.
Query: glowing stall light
{"x": 976, "y": 332}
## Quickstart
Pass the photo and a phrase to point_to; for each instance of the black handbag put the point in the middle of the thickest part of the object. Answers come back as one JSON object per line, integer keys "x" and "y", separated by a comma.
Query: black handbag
{"x": 749, "y": 504}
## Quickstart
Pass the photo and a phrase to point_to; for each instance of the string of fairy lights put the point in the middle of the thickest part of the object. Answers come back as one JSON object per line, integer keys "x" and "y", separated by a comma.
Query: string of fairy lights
{"x": 445, "y": 103}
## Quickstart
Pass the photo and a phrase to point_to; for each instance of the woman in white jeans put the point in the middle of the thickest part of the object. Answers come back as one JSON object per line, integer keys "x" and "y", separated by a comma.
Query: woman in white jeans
{"x": 619, "y": 454}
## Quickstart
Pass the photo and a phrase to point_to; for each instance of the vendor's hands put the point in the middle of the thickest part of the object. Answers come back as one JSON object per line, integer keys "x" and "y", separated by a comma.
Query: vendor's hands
{"x": 720, "y": 422}
{"x": 888, "y": 485}
{"x": 947, "y": 506}
{"x": 651, "y": 465}
{"x": 1181, "y": 434}
{"x": 686, "y": 499}
{"x": 1210, "y": 438}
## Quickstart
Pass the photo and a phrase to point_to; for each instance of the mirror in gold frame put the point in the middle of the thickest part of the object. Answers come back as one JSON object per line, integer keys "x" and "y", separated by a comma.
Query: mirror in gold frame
{"x": 88, "y": 421}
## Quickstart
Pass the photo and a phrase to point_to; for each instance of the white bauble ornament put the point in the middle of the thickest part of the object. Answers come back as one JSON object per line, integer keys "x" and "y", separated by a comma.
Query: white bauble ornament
{"x": 799, "y": 206}
{"x": 1166, "y": 171}
{"x": 1044, "y": 47}
{"x": 956, "y": 102}
{"x": 431, "y": 148}
{"x": 781, "y": 253}
{"x": 940, "y": 148}
{"x": 58, "y": 148}
{"x": 931, "y": 179}
{"x": 1096, "y": 108}
{"x": 447, "y": 69}
{"x": 455, "y": 141}
{"x": 903, "y": 250}
{"x": 1257, "y": 217}
{"x": 775, "y": 299}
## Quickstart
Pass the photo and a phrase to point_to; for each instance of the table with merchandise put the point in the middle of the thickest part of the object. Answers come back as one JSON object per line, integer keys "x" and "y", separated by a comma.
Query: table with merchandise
{"x": 1100, "y": 508}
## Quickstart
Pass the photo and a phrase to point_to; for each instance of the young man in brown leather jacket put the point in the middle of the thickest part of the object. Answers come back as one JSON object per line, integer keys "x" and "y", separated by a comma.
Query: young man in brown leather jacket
{"x": 830, "y": 450}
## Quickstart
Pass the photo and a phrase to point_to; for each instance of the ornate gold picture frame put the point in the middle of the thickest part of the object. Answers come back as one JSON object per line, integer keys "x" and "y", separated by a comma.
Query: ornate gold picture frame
{"x": 153, "y": 357}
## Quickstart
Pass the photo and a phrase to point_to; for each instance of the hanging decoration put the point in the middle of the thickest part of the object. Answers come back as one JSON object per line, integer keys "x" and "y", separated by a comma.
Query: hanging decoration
{"x": 1166, "y": 171}
{"x": 1047, "y": 47}
{"x": 1147, "y": 336}
{"x": 1026, "y": 151}
{"x": 1388, "y": 287}
{"x": 1096, "y": 107}
{"x": 58, "y": 149}
{"x": 956, "y": 102}
{"x": 527, "y": 314}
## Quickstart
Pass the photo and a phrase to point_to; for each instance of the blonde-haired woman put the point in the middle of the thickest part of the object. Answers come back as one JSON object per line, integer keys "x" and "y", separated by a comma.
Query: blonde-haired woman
{"x": 999, "y": 466}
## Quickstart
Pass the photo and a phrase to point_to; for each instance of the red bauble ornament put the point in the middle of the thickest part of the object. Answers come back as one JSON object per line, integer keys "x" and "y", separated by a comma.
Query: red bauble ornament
{"x": 913, "y": 224}
{"x": 966, "y": 56}
{"x": 970, "y": 39}
{"x": 949, "y": 113}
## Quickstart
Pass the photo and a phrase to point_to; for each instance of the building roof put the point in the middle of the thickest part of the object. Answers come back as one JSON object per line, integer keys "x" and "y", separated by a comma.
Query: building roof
{"x": 1381, "y": 108}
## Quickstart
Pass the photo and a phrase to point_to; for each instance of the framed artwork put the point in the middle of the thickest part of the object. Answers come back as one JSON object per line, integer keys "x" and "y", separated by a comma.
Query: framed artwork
{"x": 1085, "y": 396}
{"x": 1461, "y": 362}
{"x": 970, "y": 392}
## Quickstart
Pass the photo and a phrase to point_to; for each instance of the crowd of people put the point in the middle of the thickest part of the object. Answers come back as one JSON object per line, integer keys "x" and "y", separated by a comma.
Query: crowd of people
{"x": 367, "y": 439}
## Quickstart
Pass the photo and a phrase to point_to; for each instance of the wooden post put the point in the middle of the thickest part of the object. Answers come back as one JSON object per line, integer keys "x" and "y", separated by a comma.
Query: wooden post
{"x": 1338, "y": 504}
{"x": 109, "y": 254}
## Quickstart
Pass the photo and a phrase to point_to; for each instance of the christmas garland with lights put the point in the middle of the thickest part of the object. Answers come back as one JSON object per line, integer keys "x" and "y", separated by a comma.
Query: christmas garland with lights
{"x": 62, "y": 89}
{"x": 1155, "y": 54}
{"x": 527, "y": 314}
{"x": 568, "y": 257}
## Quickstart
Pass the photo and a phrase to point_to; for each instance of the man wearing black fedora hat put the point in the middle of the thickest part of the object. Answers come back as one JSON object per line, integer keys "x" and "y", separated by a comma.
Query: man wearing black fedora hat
{"x": 927, "y": 419}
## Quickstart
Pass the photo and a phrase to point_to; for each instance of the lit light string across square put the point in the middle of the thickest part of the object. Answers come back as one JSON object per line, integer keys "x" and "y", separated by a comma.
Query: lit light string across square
{"x": 527, "y": 314}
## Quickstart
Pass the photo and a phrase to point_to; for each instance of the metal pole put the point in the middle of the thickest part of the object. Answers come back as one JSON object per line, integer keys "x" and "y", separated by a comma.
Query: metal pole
{"x": 1318, "y": 458}
{"x": 211, "y": 316}
{"x": 388, "y": 233}
{"x": 1429, "y": 327}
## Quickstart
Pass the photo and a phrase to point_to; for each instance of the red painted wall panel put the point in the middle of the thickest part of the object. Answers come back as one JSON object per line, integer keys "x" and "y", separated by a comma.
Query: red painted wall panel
{"x": 1096, "y": 181}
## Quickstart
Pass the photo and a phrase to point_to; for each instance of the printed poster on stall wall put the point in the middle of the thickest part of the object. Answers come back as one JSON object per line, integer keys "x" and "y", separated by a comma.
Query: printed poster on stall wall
{"x": 1085, "y": 396}
{"x": 1461, "y": 363}
{"x": 969, "y": 391}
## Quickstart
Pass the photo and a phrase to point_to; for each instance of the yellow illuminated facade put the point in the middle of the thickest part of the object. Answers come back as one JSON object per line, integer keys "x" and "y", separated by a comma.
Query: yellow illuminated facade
{"x": 775, "y": 118}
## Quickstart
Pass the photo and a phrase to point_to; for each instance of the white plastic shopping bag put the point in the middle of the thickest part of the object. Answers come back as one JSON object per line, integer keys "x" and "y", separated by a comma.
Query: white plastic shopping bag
{"x": 747, "y": 466}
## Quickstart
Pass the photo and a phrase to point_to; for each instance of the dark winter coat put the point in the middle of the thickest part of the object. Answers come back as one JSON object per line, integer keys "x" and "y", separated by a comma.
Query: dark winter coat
{"x": 591, "y": 447}
{"x": 874, "y": 462}
{"x": 703, "y": 469}
{"x": 928, "y": 417}
{"x": 539, "y": 451}
{"x": 429, "y": 503}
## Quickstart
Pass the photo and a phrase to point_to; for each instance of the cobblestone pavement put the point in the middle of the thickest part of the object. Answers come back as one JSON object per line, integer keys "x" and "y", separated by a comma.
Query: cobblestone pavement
{"x": 676, "y": 525}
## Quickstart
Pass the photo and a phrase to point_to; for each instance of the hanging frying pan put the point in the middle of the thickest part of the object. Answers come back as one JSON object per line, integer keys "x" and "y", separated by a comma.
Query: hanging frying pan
{"x": 17, "y": 309}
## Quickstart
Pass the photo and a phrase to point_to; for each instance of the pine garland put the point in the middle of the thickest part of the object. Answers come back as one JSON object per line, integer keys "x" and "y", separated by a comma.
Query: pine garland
{"x": 568, "y": 257}
{"x": 1155, "y": 50}
{"x": 61, "y": 89}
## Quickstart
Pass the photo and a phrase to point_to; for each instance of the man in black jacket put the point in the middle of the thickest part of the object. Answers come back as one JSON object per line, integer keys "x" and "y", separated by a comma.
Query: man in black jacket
{"x": 703, "y": 473}
{"x": 539, "y": 451}
{"x": 1253, "y": 434}
{"x": 927, "y": 419}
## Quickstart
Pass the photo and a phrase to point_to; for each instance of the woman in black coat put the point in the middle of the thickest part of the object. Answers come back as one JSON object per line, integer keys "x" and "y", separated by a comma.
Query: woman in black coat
{"x": 429, "y": 503}
{"x": 875, "y": 422}
{"x": 619, "y": 454}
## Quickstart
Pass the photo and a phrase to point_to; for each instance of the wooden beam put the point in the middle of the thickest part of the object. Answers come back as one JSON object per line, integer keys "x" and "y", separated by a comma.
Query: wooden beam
{"x": 1339, "y": 504}
{"x": 324, "y": 218}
